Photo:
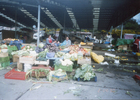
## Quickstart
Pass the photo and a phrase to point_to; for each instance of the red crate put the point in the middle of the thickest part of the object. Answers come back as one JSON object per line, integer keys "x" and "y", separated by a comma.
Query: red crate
{"x": 15, "y": 75}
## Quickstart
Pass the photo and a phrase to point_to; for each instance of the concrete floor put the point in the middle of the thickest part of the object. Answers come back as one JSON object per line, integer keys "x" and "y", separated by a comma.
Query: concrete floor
{"x": 109, "y": 85}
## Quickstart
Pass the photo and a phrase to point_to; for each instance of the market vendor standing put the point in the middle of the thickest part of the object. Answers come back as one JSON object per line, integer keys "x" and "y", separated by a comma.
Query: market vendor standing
{"x": 50, "y": 40}
{"x": 67, "y": 42}
{"x": 136, "y": 42}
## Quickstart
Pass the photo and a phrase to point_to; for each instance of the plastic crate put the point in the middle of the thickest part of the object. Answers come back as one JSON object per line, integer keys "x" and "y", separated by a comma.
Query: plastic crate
{"x": 65, "y": 68}
{"x": 15, "y": 75}
{"x": 5, "y": 64}
{"x": 13, "y": 48}
{"x": 4, "y": 59}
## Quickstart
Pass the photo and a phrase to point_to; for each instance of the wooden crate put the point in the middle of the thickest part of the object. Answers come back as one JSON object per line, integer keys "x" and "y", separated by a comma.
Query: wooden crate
{"x": 84, "y": 61}
{"x": 15, "y": 58}
{"x": 90, "y": 43}
{"x": 122, "y": 47}
{"x": 41, "y": 62}
{"x": 19, "y": 66}
{"x": 3, "y": 54}
{"x": 27, "y": 60}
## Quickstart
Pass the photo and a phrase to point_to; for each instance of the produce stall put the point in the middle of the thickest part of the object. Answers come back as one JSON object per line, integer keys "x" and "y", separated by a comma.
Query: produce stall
{"x": 57, "y": 61}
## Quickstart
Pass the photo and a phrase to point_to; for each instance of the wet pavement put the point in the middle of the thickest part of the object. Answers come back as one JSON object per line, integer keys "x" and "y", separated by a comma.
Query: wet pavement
{"x": 112, "y": 83}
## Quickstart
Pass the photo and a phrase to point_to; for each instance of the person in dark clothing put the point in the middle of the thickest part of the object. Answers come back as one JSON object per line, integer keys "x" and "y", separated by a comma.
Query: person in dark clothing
{"x": 88, "y": 38}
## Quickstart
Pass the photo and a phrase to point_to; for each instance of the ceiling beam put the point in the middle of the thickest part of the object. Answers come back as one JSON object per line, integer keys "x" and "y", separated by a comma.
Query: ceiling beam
{"x": 72, "y": 17}
{"x": 31, "y": 16}
{"x": 51, "y": 16}
{"x": 12, "y": 20}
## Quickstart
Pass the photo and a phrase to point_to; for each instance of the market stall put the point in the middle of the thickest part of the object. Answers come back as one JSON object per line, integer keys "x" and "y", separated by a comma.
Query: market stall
{"x": 56, "y": 61}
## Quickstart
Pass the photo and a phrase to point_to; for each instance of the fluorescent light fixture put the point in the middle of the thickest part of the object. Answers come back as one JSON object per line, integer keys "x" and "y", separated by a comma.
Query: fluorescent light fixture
{"x": 95, "y": 13}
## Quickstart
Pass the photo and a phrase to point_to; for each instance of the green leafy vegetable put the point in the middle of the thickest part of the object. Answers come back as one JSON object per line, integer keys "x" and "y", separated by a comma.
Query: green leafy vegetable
{"x": 85, "y": 72}
{"x": 21, "y": 53}
{"x": 43, "y": 53}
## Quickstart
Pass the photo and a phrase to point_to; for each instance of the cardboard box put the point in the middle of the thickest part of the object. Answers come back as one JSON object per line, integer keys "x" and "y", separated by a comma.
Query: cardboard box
{"x": 3, "y": 54}
{"x": 15, "y": 58}
{"x": 122, "y": 47}
{"x": 19, "y": 66}
{"x": 27, "y": 60}
{"x": 90, "y": 43}
{"x": 84, "y": 61}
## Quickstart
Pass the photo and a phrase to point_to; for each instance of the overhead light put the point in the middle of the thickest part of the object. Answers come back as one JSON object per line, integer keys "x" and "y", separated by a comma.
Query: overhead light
{"x": 3, "y": 9}
{"x": 71, "y": 13}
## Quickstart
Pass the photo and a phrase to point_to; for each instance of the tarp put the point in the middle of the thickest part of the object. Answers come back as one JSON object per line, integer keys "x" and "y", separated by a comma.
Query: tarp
{"x": 129, "y": 36}
{"x": 118, "y": 42}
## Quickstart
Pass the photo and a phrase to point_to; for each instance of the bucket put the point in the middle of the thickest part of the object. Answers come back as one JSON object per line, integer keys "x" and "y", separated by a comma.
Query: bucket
{"x": 27, "y": 67}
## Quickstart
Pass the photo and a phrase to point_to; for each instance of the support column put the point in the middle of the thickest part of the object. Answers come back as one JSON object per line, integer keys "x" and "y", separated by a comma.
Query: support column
{"x": 16, "y": 25}
{"x": 38, "y": 29}
{"x": 64, "y": 20}
{"x": 121, "y": 31}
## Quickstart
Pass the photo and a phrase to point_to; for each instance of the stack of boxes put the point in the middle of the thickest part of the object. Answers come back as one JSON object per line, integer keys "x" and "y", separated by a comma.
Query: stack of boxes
{"x": 4, "y": 60}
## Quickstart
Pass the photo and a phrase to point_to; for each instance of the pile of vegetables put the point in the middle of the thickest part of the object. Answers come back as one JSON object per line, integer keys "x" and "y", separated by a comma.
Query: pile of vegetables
{"x": 62, "y": 47}
{"x": 58, "y": 72}
{"x": 42, "y": 55}
{"x": 72, "y": 57}
{"x": 39, "y": 48}
{"x": 4, "y": 46}
{"x": 97, "y": 58}
{"x": 51, "y": 48}
{"x": 59, "y": 54}
{"x": 85, "y": 72}
{"x": 37, "y": 73}
{"x": 83, "y": 50}
{"x": 67, "y": 56}
{"x": 21, "y": 53}
{"x": 66, "y": 62}
{"x": 28, "y": 48}
{"x": 73, "y": 49}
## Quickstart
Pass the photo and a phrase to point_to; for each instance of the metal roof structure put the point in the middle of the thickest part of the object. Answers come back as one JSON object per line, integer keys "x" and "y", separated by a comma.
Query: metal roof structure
{"x": 81, "y": 14}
